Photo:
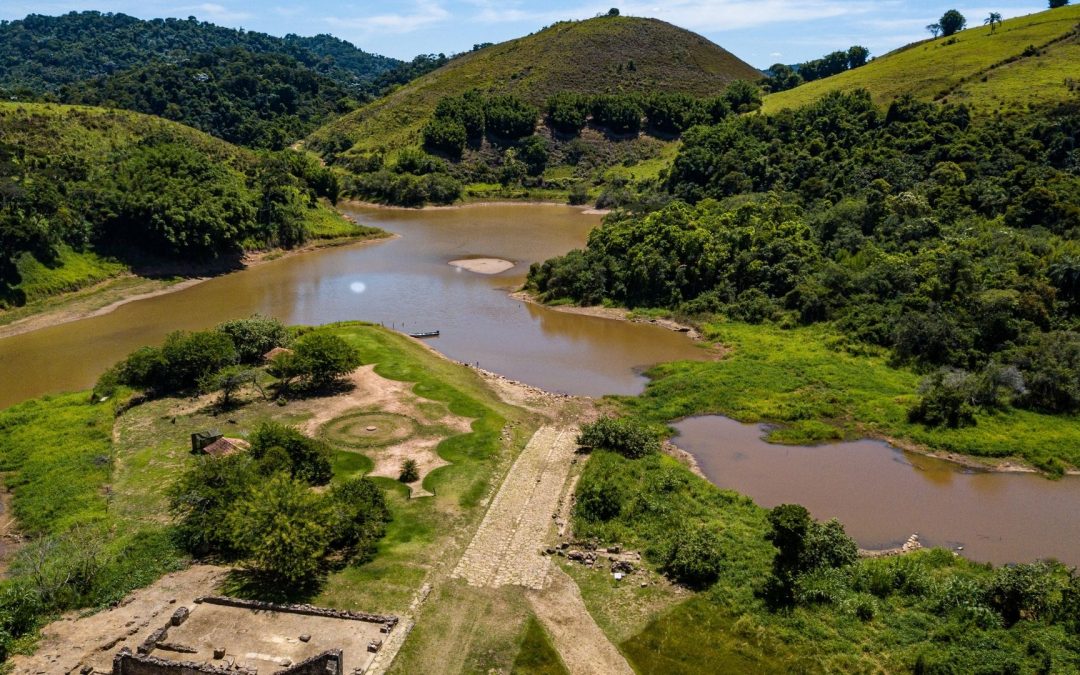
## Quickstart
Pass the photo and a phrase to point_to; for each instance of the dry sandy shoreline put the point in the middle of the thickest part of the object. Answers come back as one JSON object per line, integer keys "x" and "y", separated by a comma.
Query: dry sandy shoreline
{"x": 81, "y": 305}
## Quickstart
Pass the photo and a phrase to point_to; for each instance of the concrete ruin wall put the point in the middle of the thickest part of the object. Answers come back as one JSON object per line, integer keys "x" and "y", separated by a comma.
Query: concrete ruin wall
{"x": 328, "y": 663}
{"x": 125, "y": 663}
{"x": 309, "y": 610}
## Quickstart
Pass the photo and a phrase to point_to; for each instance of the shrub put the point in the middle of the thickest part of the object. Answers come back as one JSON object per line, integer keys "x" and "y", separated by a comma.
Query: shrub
{"x": 410, "y": 472}
{"x": 625, "y": 436}
{"x": 579, "y": 194}
{"x": 695, "y": 557}
{"x": 191, "y": 357}
{"x": 1022, "y": 591}
{"x": 447, "y": 136}
{"x": 254, "y": 336}
{"x": 945, "y": 401}
{"x": 618, "y": 113}
{"x": 309, "y": 459}
{"x": 599, "y": 497}
{"x": 319, "y": 358}
{"x": 534, "y": 153}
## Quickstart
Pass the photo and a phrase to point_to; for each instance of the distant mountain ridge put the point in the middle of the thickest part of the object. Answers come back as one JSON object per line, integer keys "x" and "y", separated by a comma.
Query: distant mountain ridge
{"x": 42, "y": 53}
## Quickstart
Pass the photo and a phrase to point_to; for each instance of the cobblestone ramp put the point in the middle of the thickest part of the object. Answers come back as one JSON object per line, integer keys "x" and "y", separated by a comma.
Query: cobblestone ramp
{"x": 506, "y": 550}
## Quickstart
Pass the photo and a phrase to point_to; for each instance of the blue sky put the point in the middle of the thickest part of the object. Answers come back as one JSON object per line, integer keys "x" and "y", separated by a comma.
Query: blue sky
{"x": 761, "y": 32}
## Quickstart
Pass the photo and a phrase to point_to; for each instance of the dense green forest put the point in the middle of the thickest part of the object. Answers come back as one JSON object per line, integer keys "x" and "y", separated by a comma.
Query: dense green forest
{"x": 134, "y": 186}
{"x": 261, "y": 100}
{"x": 476, "y": 138}
{"x": 950, "y": 241}
{"x": 39, "y": 54}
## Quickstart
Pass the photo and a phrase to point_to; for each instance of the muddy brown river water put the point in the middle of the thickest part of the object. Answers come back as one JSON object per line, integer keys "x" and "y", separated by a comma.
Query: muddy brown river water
{"x": 881, "y": 494}
{"x": 406, "y": 283}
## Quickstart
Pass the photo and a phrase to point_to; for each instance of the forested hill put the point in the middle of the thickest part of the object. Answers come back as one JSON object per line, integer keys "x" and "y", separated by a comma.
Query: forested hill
{"x": 41, "y": 53}
{"x": 88, "y": 189}
{"x": 260, "y": 100}
{"x": 605, "y": 55}
{"x": 1023, "y": 62}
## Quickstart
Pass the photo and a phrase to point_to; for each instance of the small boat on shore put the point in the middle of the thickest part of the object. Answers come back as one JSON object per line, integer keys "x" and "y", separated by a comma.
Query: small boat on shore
{"x": 425, "y": 334}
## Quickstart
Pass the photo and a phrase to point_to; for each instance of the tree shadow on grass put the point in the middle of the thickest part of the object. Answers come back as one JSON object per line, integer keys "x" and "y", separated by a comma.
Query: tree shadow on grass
{"x": 253, "y": 585}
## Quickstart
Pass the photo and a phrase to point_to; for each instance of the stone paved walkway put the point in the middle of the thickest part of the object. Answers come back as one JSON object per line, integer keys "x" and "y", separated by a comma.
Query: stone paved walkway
{"x": 506, "y": 549}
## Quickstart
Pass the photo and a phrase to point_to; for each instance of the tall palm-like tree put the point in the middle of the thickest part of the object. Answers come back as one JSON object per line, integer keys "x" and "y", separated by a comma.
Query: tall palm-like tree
{"x": 994, "y": 20}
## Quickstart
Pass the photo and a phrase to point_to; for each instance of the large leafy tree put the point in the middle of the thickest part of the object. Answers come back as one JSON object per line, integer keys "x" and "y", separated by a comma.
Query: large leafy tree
{"x": 951, "y": 22}
{"x": 280, "y": 528}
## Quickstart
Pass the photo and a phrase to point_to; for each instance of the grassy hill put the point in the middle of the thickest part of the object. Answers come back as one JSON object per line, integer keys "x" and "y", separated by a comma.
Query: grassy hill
{"x": 1028, "y": 61}
{"x": 602, "y": 55}
{"x": 91, "y": 192}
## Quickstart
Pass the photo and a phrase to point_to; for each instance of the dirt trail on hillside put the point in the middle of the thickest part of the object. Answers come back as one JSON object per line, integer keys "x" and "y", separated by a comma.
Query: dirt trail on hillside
{"x": 72, "y": 642}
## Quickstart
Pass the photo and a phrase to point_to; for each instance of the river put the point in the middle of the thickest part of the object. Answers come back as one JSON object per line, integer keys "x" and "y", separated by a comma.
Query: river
{"x": 405, "y": 283}
{"x": 881, "y": 494}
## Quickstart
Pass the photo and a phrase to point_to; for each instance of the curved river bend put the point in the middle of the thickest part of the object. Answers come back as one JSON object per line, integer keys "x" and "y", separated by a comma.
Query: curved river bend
{"x": 880, "y": 494}
{"x": 407, "y": 283}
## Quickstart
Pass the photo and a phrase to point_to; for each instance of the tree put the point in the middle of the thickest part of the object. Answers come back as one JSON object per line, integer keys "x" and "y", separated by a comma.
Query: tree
{"x": 934, "y": 29}
{"x": 952, "y": 22}
{"x": 320, "y": 358}
{"x": 1022, "y": 591}
{"x": 534, "y": 153}
{"x": 994, "y": 20}
{"x": 358, "y": 517}
{"x": 191, "y": 357}
{"x": 857, "y": 55}
{"x": 1054, "y": 4}
{"x": 200, "y": 501}
{"x": 309, "y": 458}
{"x": 280, "y": 529}
{"x": 254, "y": 336}
{"x": 229, "y": 381}
{"x": 447, "y": 136}
{"x": 743, "y": 96}
{"x": 614, "y": 11}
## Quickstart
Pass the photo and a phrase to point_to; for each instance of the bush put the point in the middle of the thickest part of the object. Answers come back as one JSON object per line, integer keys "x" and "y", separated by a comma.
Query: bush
{"x": 254, "y": 336}
{"x": 625, "y": 436}
{"x": 579, "y": 194}
{"x": 600, "y": 497}
{"x": 309, "y": 458}
{"x": 945, "y": 401}
{"x": 319, "y": 358}
{"x": 618, "y": 113}
{"x": 534, "y": 153}
{"x": 410, "y": 472}
{"x": 1023, "y": 591}
{"x": 567, "y": 112}
{"x": 695, "y": 557}
{"x": 191, "y": 357}
{"x": 509, "y": 117}
{"x": 447, "y": 136}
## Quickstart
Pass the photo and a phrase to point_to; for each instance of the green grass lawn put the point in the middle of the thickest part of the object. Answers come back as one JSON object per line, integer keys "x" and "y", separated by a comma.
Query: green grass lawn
{"x": 953, "y": 68}
{"x": 804, "y": 379}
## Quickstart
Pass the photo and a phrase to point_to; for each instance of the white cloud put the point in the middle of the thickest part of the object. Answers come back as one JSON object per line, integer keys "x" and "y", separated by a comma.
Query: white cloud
{"x": 424, "y": 13}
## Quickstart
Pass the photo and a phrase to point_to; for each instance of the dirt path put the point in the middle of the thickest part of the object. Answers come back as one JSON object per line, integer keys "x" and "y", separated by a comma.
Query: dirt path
{"x": 583, "y": 646}
{"x": 71, "y": 642}
{"x": 506, "y": 549}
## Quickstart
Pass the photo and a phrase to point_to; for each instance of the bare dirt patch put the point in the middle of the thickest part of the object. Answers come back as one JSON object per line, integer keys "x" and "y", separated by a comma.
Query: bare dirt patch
{"x": 374, "y": 394}
{"x": 75, "y": 641}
